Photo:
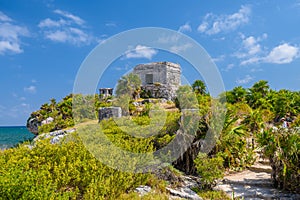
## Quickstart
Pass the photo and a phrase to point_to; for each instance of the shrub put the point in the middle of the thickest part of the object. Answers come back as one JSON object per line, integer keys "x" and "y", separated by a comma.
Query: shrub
{"x": 65, "y": 171}
{"x": 283, "y": 149}
{"x": 210, "y": 169}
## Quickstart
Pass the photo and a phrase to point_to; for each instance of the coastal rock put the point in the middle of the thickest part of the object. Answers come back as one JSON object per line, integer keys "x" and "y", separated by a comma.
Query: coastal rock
{"x": 47, "y": 121}
{"x": 55, "y": 136}
{"x": 32, "y": 125}
{"x": 56, "y": 139}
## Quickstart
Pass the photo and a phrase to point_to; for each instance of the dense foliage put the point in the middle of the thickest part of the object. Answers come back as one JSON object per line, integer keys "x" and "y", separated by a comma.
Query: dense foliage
{"x": 210, "y": 169}
{"x": 257, "y": 116}
{"x": 64, "y": 171}
{"x": 282, "y": 147}
{"x": 72, "y": 108}
{"x": 252, "y": 113}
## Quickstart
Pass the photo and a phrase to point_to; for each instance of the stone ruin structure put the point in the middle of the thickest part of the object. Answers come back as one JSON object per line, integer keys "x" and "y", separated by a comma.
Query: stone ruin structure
{"x": 159, "y": 79}
{"x": 105, "y": 92}
{"x": 109, "y": 112}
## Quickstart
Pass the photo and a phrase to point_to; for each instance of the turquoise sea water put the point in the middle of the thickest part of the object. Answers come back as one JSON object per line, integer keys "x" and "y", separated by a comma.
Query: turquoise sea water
{"x": 12, "y": 135}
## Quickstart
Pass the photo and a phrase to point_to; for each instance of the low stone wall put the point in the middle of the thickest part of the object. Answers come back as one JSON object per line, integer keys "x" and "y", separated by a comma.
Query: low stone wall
{"x": 109, "y": 112}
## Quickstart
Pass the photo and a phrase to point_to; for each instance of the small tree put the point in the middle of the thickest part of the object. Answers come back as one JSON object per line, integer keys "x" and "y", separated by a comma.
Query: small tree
{"x": 129, "y": 84}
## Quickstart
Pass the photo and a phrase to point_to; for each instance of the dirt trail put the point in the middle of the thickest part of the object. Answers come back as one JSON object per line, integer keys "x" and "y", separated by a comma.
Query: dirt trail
{"x": 253, "y": 183}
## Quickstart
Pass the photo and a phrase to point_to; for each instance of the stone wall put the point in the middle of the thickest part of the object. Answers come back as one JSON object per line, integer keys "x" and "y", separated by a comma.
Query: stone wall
{"x": 161, "y": 91}
{"x": 109, "y": 112}
{"x": 165, "y": 78}
{"x": 163, "y": 72}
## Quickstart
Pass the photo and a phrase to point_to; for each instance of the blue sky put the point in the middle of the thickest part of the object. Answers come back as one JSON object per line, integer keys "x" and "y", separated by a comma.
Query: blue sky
{"x": 44, "y": 42}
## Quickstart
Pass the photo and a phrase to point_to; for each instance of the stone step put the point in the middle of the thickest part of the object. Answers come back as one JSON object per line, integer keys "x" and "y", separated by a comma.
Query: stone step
{"x": 263, "y": 183}
{"x": 260, "y": 167}
{"x": 264, "y": 161}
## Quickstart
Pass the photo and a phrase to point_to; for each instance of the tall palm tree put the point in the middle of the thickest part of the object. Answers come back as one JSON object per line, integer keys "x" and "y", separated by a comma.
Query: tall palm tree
{"x": 239, "y": 94}
{"x": 199, "y": 87}
{"x": 260, "y": 87}
{"x": 257, "y": 93}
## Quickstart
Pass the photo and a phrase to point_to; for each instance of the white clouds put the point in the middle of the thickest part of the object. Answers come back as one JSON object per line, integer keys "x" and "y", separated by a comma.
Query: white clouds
{"x": 251, "y": 45}
{"x": 244, "y": 80}
{"x": 219, "y": 58}
{"x": 251, "y": 49}
{"x": 204, "y": 26}
{"x": 70, "y": 16}
{"x": 111, "y": 24}
{"x": 169, "y": 39}
{"x": 180, "y": 48}
{"x": 185, "y": 28}
{"x": 71, "y": 35}
{"x": 52, "y": 23}
{"x": 252, "y": 60}
{"x": 213, "y": 24}
{"x": 176, "y": 43}
{"x": 10, "y": 34}
{"x": 68, "y": 29}
{"x": 141, "y": 51}
{"x": 31, "y": 89}
{"x": 4, "y": 18}
{"x": 282, "y": 54}
{"x": 59, "y": 36}
{"x": 8, "y": 46}
{"x": 228, "y": 67}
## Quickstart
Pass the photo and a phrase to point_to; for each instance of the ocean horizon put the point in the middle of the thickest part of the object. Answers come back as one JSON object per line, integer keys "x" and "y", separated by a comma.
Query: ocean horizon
{"x": 10, "y": 136}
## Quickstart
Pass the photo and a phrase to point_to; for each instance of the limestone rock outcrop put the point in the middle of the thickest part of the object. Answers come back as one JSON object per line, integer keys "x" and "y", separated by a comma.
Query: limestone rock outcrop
{"x": 33, "y": 125}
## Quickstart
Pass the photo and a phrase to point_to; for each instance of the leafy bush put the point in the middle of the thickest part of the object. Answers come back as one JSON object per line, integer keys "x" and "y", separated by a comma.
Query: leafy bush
{"x": 212, "y": 194}
{"x": 209, "y": 169}
{"x": 283, "y": 149}
{"x": 65, "y": 171}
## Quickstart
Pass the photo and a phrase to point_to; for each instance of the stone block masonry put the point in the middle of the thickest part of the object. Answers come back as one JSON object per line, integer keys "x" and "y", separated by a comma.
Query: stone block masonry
{"x": 109, "y": 112}
{"x": 160, "y": 79}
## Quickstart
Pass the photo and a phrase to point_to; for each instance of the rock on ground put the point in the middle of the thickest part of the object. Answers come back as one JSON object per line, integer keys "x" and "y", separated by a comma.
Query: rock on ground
{"x": 142, "y": 190}
{"x": 184, "y": 192}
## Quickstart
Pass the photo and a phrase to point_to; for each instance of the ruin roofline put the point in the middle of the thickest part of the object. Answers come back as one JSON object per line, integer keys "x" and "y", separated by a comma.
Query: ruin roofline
{"x": 166, "y": 63}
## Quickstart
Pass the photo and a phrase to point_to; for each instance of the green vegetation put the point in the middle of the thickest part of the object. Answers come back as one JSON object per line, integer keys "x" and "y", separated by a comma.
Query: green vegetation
{"x": 251, "y": 113}
{"x": 129, "y": 85}
{"x": 211, "y": 194}
{"x": 69, "y": 171}
{"x": 65, "y": 114}
{"x": 65, "y": 171}
{"x": 283, "y": 149}
{"x": 210, "y": 170}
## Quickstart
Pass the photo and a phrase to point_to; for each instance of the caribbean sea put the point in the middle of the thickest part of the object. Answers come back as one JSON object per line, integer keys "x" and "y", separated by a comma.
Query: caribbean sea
{"x": 12, "y": 135}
